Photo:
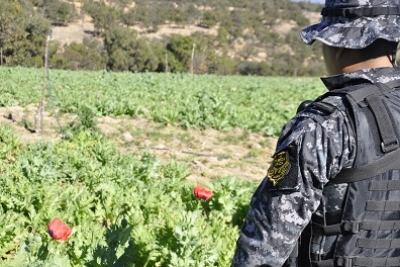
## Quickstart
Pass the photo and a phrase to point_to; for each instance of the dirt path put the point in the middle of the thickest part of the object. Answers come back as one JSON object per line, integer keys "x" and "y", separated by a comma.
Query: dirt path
{"x": 209, "y": 154}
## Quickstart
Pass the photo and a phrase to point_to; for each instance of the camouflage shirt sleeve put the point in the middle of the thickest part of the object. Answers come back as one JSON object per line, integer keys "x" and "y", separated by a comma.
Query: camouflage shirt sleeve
{"x": 313, "y": 147}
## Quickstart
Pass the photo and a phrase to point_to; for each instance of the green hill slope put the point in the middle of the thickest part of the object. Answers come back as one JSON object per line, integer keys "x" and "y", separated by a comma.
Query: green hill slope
{"x": 221, "y": 37}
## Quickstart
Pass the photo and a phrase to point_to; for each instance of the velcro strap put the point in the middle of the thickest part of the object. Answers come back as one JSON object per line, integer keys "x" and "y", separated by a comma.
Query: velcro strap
{"x": 359, "y": 11}
{"x": 378, "y": 243}
{"x": 383, "y": 206}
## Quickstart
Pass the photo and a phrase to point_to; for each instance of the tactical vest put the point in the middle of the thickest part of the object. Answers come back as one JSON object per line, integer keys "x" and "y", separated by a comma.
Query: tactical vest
{"x": 367, "y": 228}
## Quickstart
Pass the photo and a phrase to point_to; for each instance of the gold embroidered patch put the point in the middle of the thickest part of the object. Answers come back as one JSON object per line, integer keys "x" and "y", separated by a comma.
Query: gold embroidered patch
{"x": 280, "y": 167}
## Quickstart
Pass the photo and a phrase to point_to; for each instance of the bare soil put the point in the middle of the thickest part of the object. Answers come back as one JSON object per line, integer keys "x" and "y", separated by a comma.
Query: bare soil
{"x": 208, "y": 154}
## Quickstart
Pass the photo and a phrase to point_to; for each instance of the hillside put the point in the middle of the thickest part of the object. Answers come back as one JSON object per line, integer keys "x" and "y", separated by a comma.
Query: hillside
{"x": 222, "y": 37}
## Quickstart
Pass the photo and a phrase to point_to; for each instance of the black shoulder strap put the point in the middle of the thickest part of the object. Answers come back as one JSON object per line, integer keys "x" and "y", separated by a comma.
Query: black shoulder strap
{"x": 390, "y": 161}
{"x": 371, "y": 96}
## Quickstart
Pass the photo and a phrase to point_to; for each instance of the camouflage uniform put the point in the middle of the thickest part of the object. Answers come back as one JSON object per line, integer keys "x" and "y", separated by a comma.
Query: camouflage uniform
{"x": 354, "y": 33}
{"x": 319, "y": 146}
{"x": 313, "y": 147}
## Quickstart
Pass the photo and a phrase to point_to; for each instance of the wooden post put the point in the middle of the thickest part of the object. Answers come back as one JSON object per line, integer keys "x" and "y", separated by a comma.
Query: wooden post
{"x": 39, "y": 114}
{"x": 166, "y": 61}
{"x": 192, "y": 63}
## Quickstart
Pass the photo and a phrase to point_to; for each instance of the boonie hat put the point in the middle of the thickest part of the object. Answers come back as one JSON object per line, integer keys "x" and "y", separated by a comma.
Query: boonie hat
{"x": 355, "y": 24}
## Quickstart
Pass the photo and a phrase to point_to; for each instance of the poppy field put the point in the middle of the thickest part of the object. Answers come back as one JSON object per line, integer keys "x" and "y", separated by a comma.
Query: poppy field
{"x": 79, "y": 201}
{"x": 260, "y": 104}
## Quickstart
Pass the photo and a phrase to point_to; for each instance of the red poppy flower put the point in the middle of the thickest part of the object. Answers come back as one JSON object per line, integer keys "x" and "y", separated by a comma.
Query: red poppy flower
{"x": 202, "y": 193}
{"x": 59, "y": 230}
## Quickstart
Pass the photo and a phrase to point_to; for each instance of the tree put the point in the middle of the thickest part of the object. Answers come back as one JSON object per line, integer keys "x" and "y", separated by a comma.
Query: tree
{"x": 22, "y": 34}
{"x": 58, "y": 12}
{"x": 225, "y": 66}
{"x": 129, "y": 17}
{"x": 181, "y": 48}
{"x": 89, "y": 55}
{"x": 104, "y": 17}
{"x": 222, "y": 36}
{"x": 210, "y": 19}
{"x": 128, "y": 53}
{"x": 37, "y": 29}
{"x": 10, "y": 28}
{"x": 144, "y": 59}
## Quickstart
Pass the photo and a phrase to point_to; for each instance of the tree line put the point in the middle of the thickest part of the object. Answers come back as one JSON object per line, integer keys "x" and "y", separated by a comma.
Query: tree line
{"x": 114, "y": 45}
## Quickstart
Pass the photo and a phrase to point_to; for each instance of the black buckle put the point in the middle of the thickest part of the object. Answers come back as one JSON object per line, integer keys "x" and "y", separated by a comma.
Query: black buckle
{"x": 351, "y": 227}
{"x": 389, "y": 147}
{"x": 344, "y": 261}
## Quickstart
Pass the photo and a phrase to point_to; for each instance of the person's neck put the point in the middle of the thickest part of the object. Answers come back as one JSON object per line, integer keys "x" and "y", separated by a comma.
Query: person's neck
{"x": 381, "y": 62}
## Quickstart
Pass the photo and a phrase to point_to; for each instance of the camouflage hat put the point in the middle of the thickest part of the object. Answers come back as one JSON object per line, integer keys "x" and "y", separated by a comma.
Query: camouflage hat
{"x": 355, "y": 24}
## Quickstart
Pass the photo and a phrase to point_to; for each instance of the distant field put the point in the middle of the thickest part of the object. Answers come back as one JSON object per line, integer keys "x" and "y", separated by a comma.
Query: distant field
{"x": 131, "y": 207}
{"x": 220, "y": 102}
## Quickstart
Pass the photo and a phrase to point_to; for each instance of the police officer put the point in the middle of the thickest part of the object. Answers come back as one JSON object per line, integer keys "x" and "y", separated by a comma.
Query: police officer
{"x": 332, "y": 193}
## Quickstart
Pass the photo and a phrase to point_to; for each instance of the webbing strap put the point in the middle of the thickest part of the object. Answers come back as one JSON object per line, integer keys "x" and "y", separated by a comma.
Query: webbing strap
{"x": 390, "y": 161}
{"x": 380, "y": 225}
{"x": 359, "y": 95}
{"x": 392, "y": 185}
{"x": 362, "y": 91}
{"x": 333, "y": 217}
{"x": 371, "y": 94}
{"x": 325, "y": 106}
{"x": 339, "y": 228}
{"x": 355, "y": 227}
{"x": 332, "y": 229}
{"x": 369, "y": 262}
{"x": 383, "y": 206}
{"x": 392, "y": 84}
{"x": 363, "y": 261}
{"x": 378, "y": 243}
{"x": 382, "y": 118}
{"x": 371, "y": 89}
{"x": 304, "y": 246}
{"x": 359, "y": 261}
{"x": 359, "y": 12}
{"x": 327, "y": 263}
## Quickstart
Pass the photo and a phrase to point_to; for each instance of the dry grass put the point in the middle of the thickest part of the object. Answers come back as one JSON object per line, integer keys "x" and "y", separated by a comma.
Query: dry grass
{"x": 208, "y": 154}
